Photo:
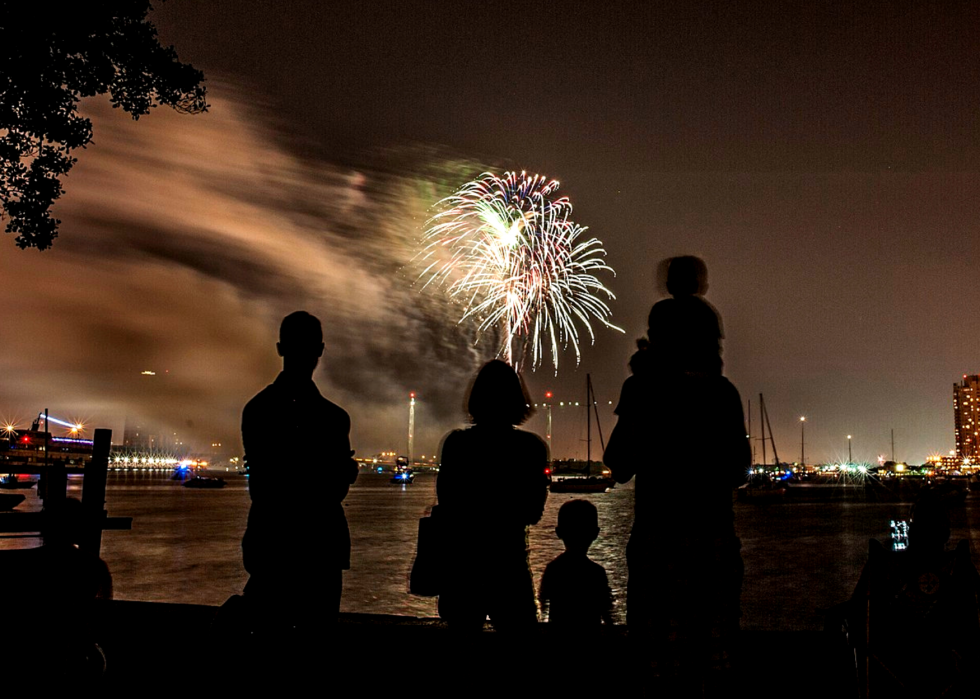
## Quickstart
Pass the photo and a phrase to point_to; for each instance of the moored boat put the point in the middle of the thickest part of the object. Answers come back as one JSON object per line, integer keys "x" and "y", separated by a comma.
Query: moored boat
{"x": 583, "y": 480}
{"x": 403, "y": 474}
{"x": 12, "y": 482}
{"x": 204, "y": 482}
{"x": 581, "y": 484}
{"x": 762, "y": 490}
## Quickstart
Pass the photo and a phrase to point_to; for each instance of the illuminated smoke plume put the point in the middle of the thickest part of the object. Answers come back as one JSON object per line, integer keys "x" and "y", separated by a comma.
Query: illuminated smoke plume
{"x": 185, "y": 241}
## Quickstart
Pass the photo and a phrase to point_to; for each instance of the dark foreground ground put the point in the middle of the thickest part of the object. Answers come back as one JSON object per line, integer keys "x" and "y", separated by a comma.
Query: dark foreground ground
{"x": 172, "y": 649}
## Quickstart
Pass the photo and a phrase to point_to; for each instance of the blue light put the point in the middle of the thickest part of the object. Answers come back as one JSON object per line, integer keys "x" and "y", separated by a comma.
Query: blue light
{"x": 57, "y": 421}
{"x": 68, "y": 440}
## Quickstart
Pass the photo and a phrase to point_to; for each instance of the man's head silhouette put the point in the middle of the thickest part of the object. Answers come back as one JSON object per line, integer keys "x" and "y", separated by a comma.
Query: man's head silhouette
{"x": 300, "y": 343}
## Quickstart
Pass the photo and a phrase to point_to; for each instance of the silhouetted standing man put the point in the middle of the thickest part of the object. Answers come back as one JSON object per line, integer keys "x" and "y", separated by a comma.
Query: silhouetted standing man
{"x": 297, "y": 449}
{"x": 680, "y": 424}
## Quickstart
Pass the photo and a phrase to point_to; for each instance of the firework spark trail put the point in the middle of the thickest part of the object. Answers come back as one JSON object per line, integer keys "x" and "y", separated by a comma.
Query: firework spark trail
{"x": 505, "y": 249}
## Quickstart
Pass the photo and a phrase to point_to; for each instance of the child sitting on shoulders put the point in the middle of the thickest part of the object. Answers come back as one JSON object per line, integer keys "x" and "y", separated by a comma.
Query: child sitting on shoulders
{"x": 575, "y": 593}
{"x": 684, "y": 330}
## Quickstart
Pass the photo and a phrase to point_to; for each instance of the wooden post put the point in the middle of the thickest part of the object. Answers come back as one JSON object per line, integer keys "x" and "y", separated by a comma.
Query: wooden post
{"x": 93, "y": 492}
{"x": 55, "y": 487}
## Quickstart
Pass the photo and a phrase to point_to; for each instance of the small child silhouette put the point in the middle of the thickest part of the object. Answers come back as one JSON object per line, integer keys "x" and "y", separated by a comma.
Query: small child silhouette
{"x": 684, "y": 330}
{"x": 575, "y": 593}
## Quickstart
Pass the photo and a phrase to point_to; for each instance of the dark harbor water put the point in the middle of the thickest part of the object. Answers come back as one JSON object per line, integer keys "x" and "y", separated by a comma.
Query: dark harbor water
{"x": 800, "y": 558}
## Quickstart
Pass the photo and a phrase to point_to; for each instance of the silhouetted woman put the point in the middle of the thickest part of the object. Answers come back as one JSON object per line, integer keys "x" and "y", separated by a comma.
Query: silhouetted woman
{"x": 491, "y": 486}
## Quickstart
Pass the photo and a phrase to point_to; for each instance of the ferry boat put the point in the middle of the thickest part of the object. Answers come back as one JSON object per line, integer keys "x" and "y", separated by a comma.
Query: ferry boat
{"x": 35, "y": 447}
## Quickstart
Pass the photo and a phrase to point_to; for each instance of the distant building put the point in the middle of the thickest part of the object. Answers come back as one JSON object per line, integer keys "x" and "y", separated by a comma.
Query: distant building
{"x": 138, "y": 435}
{"x": 966, "y": 416}
{"x": 949, "y": 462}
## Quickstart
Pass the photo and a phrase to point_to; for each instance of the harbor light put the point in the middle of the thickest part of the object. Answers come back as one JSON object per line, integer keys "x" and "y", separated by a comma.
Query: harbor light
{"x": 802, "y": 441}
{"x": 411, "y": 425}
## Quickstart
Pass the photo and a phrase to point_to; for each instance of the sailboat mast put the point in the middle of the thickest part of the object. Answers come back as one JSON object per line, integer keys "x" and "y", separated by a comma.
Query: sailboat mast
{"x": 765, "y": 413}
{"x": 598, "y": 423}
{"x": 762, "y": 421}
{"x": 588, "y": 423}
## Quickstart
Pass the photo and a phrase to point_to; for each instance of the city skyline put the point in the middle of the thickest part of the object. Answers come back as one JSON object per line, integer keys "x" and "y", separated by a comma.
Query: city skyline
{"x": 159, "y": 435}
{"x": 822, "y": 161}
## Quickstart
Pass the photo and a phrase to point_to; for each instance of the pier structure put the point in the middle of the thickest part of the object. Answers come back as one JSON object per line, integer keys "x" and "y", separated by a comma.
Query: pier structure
{"x": 52, "y": 487}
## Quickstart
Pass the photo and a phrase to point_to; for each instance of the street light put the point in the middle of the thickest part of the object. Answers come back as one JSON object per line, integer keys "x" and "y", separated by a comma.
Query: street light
{"x": 850, "y": 459}
{"x": 548, "y": 396}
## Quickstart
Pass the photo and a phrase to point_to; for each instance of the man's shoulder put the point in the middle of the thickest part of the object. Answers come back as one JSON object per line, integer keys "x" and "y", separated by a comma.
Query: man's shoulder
{"x": 336, "y": 412}
{"x": 264, "y": 397}
{"x": 327, "y": 411}
{"x": 723, "y": 388}
{"x": 276, "y": 393}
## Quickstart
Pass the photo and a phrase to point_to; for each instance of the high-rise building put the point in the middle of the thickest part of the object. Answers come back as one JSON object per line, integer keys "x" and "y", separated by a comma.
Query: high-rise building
{"x": 966, "y": 415}
{"x": 136, "y": 435}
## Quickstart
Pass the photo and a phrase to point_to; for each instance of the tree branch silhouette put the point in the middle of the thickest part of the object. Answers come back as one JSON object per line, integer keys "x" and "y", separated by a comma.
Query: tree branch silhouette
{"x": 51, "y": 56}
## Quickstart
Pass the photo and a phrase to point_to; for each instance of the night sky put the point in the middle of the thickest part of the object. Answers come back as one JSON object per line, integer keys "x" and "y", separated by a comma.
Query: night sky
{"x": 822, "y": 160}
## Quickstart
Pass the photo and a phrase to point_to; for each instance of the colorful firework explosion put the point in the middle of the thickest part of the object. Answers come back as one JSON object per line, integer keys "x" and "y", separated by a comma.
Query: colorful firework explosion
{"x": 505, "y": 249}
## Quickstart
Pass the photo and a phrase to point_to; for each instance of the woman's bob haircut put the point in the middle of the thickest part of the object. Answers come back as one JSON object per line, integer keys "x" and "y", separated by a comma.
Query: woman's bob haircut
{"x": 498, "y": 395}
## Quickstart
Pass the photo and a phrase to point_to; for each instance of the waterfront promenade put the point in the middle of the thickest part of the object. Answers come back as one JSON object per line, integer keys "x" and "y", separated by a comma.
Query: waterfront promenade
{"x": 801, "y": 558}
{"x": 172, "y": 648}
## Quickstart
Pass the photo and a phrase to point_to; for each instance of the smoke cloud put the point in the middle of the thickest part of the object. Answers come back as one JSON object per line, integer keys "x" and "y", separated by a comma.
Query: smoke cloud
{"x": 185, "y": 240}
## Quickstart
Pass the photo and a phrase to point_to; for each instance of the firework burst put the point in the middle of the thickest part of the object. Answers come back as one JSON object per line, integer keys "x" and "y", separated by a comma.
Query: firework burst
{"x": 506, "y": 250}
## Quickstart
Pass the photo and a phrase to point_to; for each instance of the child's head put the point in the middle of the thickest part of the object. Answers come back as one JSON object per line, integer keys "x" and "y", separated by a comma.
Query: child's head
{"x": 687, "y": 276}
{"x": 578, "y": 525}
